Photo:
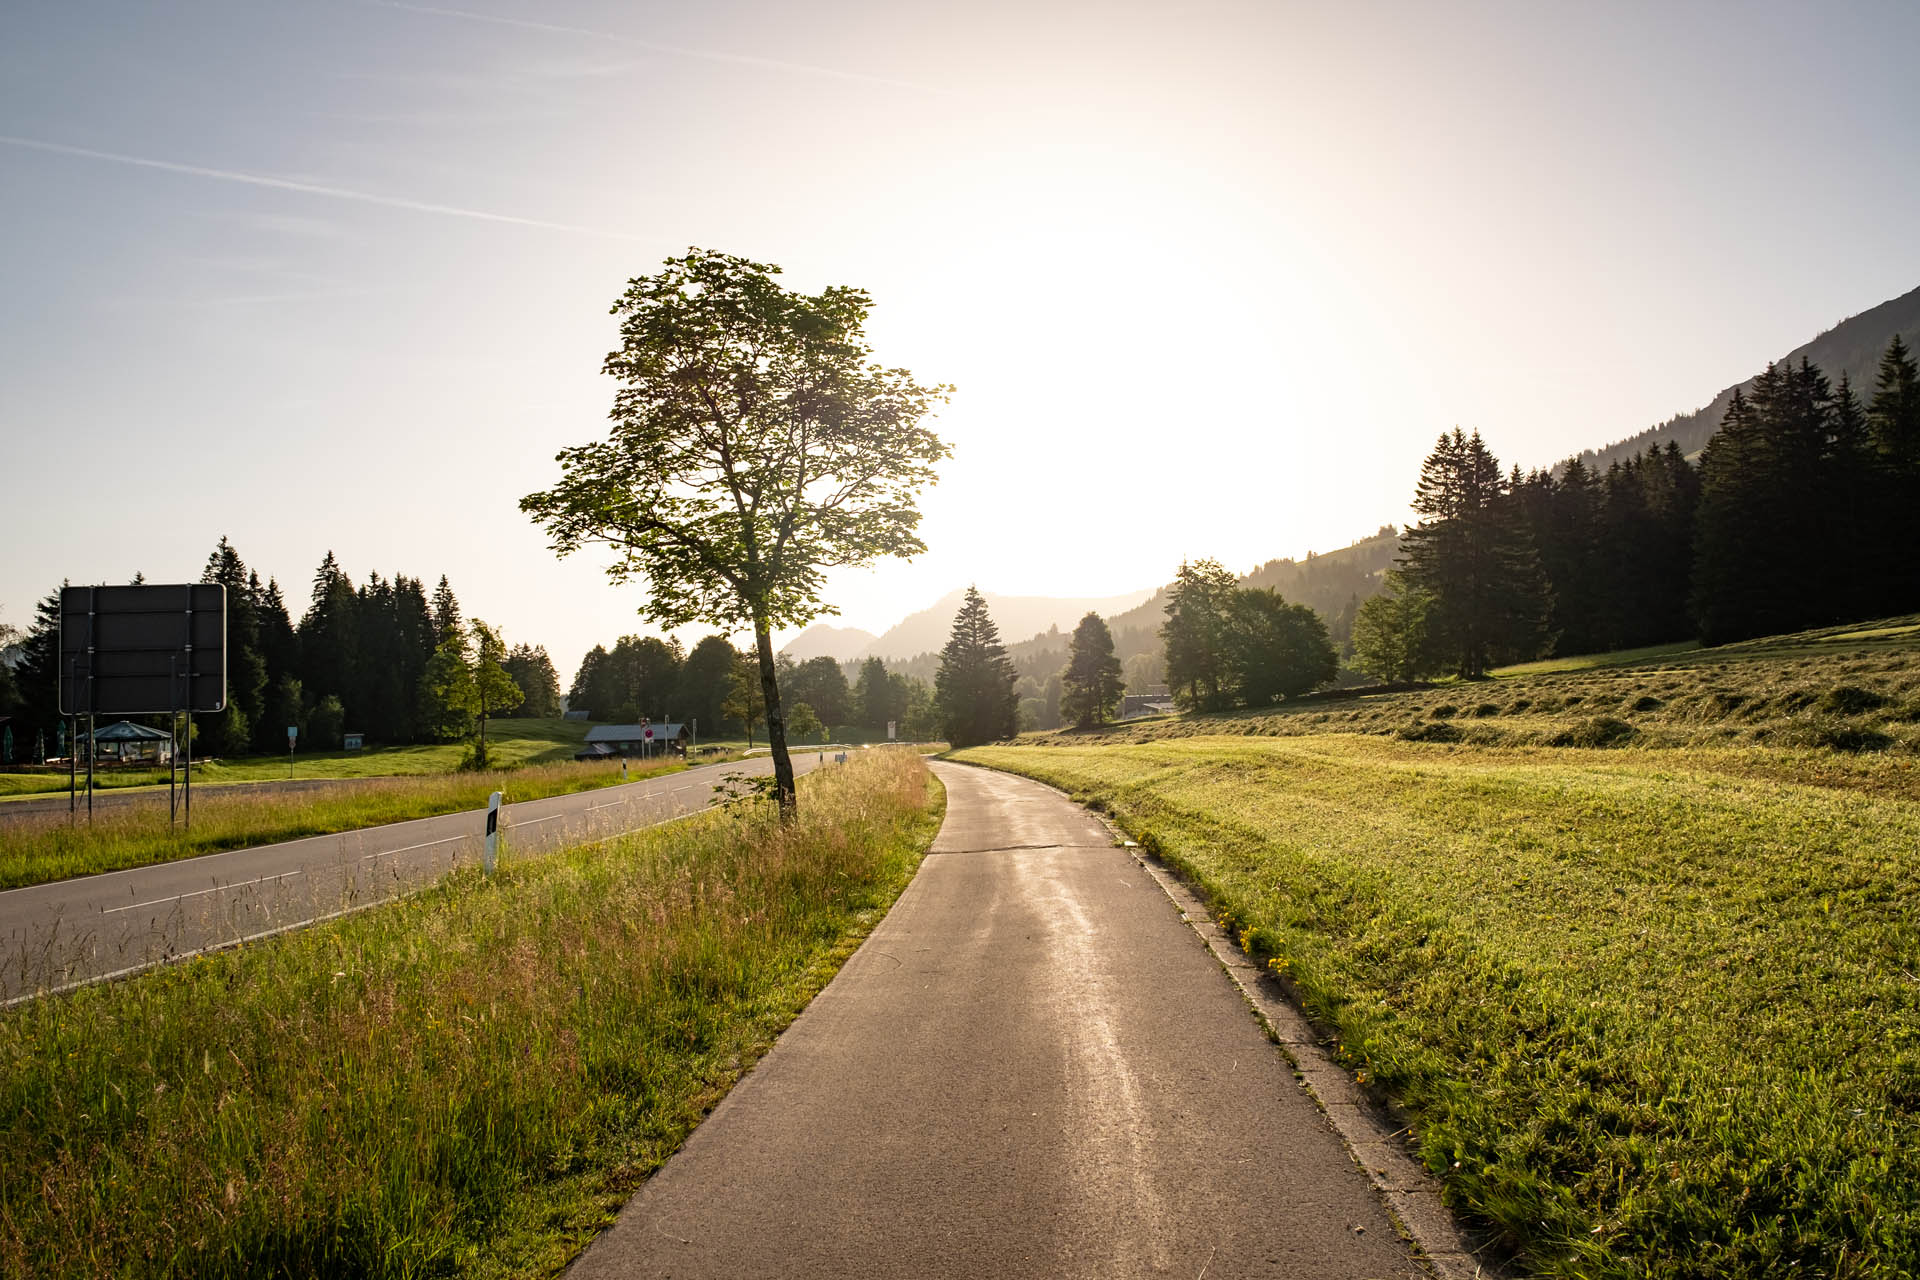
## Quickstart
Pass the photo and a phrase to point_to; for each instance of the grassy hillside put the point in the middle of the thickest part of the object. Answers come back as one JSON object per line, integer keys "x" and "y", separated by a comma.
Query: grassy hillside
{"x": 1633, "y": 944}
{"x": 1852, "y": 689}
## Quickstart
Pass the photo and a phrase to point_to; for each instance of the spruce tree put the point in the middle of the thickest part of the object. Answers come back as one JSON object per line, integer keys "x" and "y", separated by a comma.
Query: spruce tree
{"x": 874, "y": 697}
{"x": 246, "y": 668}
{"x": 532, "y": 672}
{"x": 973, "y": 690}
{"x": 1893, "y": 429}
{"x": 1472, "y": 555}
{"x": 706, "y": 677}
{"x": 1091, "y": 686}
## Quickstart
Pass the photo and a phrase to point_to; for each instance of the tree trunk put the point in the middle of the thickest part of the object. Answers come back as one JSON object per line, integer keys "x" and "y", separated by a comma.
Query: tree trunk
{"x": 776, "y": 723}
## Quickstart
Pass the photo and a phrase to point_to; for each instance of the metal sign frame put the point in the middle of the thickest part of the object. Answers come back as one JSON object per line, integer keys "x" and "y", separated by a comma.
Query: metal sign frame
{"x": 143, "y": 651}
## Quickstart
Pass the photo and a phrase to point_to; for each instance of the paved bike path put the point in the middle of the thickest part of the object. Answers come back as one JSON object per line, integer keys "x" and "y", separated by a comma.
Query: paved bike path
{"x": 1032, "y": 1068}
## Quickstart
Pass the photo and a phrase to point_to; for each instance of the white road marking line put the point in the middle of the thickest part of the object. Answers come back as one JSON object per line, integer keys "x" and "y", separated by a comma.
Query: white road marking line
{"x": 534, "y": 822}
{"x": 611, "y": 804}
{"x": 410, "y": 848}
{"x": 199, "y": 893}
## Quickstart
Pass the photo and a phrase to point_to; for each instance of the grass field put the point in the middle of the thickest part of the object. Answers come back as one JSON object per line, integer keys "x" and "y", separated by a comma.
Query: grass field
{"x": 1654, "y": 1003}
{"x": 1851, "y": 690}
{"x": 512, "y": 742}
{"x": 36, "y": 848}
{"x": 467, "y": 1082}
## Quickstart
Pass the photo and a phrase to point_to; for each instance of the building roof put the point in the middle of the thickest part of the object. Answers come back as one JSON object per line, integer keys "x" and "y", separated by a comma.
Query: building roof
{"x": 128, "y": 731}
{"x": 662, "y": 731}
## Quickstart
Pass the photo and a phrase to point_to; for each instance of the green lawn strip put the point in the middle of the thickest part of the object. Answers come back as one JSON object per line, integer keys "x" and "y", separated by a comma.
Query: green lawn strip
{"x": 469, "y": 1081}
{"x": 45, "y": 847}
{"x": 510, "y": 742}
{"x": 1653, "y": 1014}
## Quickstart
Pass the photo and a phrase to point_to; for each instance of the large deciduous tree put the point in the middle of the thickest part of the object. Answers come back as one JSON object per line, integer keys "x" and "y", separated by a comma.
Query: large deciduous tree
{"x": 1195, "y": 635}
{"x": 1090, "y": 687}
{"x": 973, "y": 689}
{"x": 754, "y": 446}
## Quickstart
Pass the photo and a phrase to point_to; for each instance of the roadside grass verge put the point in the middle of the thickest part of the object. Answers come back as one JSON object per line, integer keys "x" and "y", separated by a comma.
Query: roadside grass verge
{"x": 1653, "y": 1013}
{"x": 512, "y": 742}
{"x": 36, "y": 848}
{"x": 467, "y": 1082}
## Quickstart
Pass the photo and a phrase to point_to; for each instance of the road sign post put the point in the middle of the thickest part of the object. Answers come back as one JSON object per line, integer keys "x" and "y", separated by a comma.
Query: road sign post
{"x": 293, "y": 732}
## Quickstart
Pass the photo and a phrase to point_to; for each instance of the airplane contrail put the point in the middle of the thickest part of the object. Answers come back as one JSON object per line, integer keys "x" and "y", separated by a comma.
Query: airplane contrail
{"x": 711, "y": 55}
{"x": 309, "y": 188}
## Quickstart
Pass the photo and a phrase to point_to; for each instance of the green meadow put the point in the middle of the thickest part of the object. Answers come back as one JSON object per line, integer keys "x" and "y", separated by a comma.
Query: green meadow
{"x": 1633, "y": 946}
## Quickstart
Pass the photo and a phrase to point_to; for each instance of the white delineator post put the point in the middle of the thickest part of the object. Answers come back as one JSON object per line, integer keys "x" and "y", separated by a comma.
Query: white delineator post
{"x": 493, "y": 833}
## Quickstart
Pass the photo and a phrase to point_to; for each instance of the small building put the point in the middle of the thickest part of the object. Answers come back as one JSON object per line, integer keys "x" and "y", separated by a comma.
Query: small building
{"x": 352, "y": 741}
{"x": 1134, "y": 705}
{"x": 631, "y": 740}
{"x": 125, "y": 742}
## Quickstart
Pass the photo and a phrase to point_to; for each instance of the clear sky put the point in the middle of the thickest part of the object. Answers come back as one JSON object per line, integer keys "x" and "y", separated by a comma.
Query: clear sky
{"x": 1210, "y": 278}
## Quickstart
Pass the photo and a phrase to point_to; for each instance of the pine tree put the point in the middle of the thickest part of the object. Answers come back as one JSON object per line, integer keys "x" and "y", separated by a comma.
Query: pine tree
{"x": 973, "y": 689}
{"x": 246, "y": 668}
{"x": 532, "y": 672}
{"x": 1194, "y": 635}
{"x": 1471, "y": 554}
{"x": 446, "y": 611}
{"x": 874, "y": 697}
{"x": 1090, "y": 687}
{"x": 1893, "y": 430}
{"x": 328, "y": 643}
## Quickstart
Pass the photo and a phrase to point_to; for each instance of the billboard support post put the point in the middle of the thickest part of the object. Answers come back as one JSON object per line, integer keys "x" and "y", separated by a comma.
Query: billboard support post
{"x": 149, "y": 650}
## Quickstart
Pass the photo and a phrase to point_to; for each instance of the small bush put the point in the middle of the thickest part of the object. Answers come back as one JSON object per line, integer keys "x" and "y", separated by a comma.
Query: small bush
{"x": 1599, "y": 731}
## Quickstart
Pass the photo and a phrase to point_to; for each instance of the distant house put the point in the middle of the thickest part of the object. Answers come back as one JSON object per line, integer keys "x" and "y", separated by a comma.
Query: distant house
{"x": 1145, "y": 704}
{"x": 631, "y": 740}
{"x": 125, "y": 742}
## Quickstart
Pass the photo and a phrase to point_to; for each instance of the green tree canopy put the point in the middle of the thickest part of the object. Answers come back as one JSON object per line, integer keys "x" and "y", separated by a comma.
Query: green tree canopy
{"x": 1091, "y": 686}
{"x": 754, "y": 446}
{"x": 1194, "y": 635}
{"x": 1275, "y": 650}
{"x": 973, "y": 689}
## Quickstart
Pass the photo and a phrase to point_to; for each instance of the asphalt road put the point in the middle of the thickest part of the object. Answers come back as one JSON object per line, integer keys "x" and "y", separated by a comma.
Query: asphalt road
{"x": 54, "y": 935}
{"x": 1032, "y": 1068}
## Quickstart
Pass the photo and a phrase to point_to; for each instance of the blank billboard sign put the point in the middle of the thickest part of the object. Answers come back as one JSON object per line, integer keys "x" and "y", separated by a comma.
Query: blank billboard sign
{"x": 146, "y": 650}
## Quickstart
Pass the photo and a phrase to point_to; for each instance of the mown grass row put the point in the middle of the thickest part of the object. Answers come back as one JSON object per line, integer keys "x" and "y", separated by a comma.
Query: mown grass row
{"x": 37, "y": 848}
{"x": 1655, "y": 1013}
{"x": 466, "y": 1082}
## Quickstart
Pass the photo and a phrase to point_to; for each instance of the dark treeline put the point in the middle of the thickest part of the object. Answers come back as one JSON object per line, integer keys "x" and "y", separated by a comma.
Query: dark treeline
{"x": 718, "y": 687}
{"x": 385, "y": 658}
{"x": 1795, "y": 517}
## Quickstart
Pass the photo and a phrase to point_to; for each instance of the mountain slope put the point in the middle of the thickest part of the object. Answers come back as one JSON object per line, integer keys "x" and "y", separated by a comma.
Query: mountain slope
{"x": 840, "y": 643}
{"x": 1852, "y": 347}
{"x": 1015, "y": 616}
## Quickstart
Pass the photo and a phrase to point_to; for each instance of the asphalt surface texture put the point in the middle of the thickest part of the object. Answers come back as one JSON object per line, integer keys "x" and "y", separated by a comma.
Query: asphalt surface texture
{"x": 57, "y": 935}
{"x": 1032, "y": 1067}
{"x": 120, "y": 799}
